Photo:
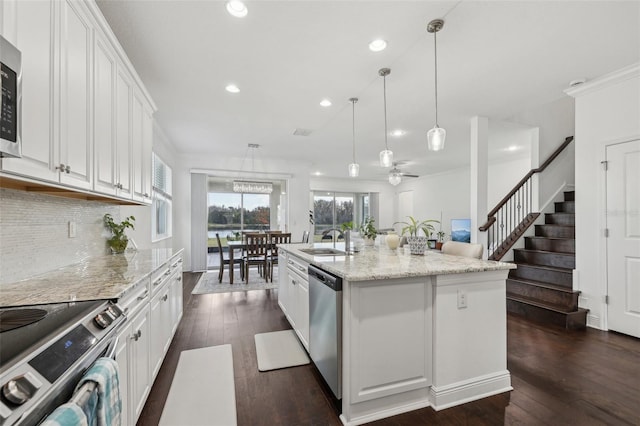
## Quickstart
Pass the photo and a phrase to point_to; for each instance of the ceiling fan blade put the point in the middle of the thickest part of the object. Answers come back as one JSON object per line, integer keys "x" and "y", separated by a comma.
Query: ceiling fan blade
{"x": 410, "y": 175}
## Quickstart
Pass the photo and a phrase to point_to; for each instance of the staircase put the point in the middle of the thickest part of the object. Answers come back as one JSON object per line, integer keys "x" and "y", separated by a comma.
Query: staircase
{"x": 541, "y": 288}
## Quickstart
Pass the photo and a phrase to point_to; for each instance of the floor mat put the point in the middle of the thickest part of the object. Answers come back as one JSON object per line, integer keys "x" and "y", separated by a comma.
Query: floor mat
{"x": 279, "y": 349}
{"x": 203, "y": 390}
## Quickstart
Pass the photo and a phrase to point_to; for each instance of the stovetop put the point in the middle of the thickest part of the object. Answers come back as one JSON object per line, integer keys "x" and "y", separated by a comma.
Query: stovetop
{"x": 18, "y": 341}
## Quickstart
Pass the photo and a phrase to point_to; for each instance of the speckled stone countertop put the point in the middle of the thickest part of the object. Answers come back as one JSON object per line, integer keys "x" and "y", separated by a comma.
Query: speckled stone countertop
{"x": 379, "y": 263}
{"x": 96, "y": 278}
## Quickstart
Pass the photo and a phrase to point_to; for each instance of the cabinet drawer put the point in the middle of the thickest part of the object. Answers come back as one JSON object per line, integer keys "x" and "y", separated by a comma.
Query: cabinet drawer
{"x": 135, "y": 298}
{"x": 298, "y": 266}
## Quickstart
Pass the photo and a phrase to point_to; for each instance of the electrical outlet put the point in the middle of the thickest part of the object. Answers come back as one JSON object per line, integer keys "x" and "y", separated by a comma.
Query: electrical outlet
{"x": 462, "y": 299}
{"x": 72, "y": 229}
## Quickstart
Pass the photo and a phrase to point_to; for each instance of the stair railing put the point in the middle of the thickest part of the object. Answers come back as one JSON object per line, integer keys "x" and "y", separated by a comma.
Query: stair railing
{"x": 513, "y": 212}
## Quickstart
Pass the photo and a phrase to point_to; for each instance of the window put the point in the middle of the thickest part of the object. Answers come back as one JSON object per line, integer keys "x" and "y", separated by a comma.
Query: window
{"x": 161, "y": 204}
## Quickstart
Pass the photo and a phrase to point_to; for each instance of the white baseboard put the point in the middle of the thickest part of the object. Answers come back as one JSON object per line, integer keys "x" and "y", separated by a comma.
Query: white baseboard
{"x": 470, "y": 390}
{"x": 384, "y": 414}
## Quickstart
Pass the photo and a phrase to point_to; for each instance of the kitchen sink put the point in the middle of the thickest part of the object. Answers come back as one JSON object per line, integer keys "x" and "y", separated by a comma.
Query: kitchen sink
{"x": 323, "y": 251}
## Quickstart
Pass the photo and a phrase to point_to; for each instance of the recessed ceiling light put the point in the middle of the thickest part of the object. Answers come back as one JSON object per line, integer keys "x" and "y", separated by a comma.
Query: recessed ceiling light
{"x": 377, "y": 45}
{"x": 398, "y": 132}
{"x": 325, "y": 103}
{"x": 317, "y": 173}
{"x": 512, "y": 148}
{"x": 232, "y": 88}
{"x": 237, "y": 8}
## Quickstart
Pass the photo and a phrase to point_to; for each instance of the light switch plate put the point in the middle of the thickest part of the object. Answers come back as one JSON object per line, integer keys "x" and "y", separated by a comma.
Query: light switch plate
{"x": 462, "y": 299}
{"x": 72, "y": 229}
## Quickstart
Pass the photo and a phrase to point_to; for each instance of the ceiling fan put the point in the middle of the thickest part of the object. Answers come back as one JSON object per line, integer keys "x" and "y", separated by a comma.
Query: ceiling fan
{"x": 396, "y": 175}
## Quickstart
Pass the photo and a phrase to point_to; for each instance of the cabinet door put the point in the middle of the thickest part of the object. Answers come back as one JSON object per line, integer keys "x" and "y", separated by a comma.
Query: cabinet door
{"x": 302, "y": 321}
{"x": 29, "y": 26}
{"x": 122, "y": 358}
{"x": 103, "y": 118}
{"x": 75, "y": 95}
{"x": 176, "y": 301}
{"x": 140, "y": 362}
{"x": 147, "y": 148}
{"x": 137, "y": 143}
{"x": 292, "y": 298}
{"x": 160, "y": 327}
{"x": 283, "y": 285}
{"x": 123, "y": 134}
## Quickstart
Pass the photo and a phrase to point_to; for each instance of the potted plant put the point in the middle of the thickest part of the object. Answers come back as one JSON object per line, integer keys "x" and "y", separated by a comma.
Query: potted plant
{"x": 118, "y": 242}
{"x": 368, "y": 231}
{"x": 417, "y": 243}
{"x": 440, "y": 235}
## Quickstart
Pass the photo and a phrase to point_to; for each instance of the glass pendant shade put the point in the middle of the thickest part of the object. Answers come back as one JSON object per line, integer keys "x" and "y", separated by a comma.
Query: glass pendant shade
{"x": 386, "y": 158}
{"x": 435, "y": 138}
{"x": 395, "y": 178}
{"x": 354, "y": 170}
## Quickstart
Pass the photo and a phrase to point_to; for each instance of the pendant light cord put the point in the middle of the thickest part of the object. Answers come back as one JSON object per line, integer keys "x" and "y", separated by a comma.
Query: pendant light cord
{"x": 384, "y": 85}
{"x": 435, "y": 52}
{"x": 353, "y": 128}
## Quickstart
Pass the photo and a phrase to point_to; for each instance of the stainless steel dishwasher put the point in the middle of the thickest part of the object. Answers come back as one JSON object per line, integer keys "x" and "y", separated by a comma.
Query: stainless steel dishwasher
{"x": 325, "y": 326}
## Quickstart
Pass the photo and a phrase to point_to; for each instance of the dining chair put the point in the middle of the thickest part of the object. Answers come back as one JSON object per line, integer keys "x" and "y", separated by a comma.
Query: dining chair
{"x": 457, "y": 248}
{"x": 226, "y": 261}
{"x": 272, "y": 258}
{"x": 256, "y": 254}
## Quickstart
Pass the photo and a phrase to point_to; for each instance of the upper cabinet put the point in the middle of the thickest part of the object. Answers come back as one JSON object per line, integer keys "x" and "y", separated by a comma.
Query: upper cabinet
{"x": 86, "y": 116}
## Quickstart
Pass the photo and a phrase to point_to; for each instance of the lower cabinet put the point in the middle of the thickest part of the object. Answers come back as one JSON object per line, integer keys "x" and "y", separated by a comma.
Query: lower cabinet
{"x": 154, "y": 311}
{"x": 293, "y": 295}
{"x": 132, "y": 356}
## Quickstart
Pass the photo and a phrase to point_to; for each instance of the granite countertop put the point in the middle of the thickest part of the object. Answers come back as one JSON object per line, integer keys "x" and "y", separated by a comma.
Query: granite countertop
{"x": 379, "y": 263}
{"x": 95, "y": 278}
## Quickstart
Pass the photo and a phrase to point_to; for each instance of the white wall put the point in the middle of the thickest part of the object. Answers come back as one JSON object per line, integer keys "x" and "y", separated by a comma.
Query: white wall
{"x": 503, "y": 176}
{"x": 555, "y": 122}
{"x": 607, "y": 110}
{"x": 446, "y": 193}
{"x": 385, "y": 216}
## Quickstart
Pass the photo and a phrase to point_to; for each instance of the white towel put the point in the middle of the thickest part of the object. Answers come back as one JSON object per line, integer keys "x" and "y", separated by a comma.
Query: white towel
{"x": 104, "y": 373}
{"x": 68, "y": 414}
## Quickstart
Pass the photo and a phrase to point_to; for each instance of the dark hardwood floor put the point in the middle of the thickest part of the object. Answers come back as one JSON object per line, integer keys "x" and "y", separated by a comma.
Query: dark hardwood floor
{"x": 560, "y": 377}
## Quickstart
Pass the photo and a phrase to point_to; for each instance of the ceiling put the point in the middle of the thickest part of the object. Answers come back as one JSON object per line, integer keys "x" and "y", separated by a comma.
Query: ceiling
{"x": 495, "y": 59}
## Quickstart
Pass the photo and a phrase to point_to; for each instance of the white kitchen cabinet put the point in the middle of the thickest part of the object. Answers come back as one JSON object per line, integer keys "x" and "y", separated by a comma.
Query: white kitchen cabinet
{"x": 29, "y": 25}
{"x": 161, "y": 327}
{"x": 75, "y": 135}
{"x": 79, "y": 97}
{"x": 140, "y": 383}
{"x": 141, "y": 149}
{"x": 122, "y": 358}
{"x": 303, "y": 312}
{"x": 105, "y": 66}
{"x": 123, "y": 134}
{"x": 297, "y": 297}
{"x": 283, "y": 283}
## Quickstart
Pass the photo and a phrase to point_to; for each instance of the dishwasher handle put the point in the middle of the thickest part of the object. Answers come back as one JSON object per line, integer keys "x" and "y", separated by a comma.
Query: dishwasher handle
{"x": 326, "y": 278}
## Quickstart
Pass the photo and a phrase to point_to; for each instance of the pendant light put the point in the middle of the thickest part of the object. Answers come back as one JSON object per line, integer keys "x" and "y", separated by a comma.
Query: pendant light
{"x": 386, "y": 156}
{"x": 354, "y": 168}
{"x": 395, "y": 177}
{"x": 437, "y": 135}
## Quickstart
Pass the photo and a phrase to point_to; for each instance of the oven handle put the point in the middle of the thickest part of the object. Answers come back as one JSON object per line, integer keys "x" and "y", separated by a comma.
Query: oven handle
{"x": 81, "y": 397}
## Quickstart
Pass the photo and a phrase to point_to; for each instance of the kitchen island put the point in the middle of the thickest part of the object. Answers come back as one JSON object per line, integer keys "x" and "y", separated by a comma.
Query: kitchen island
{"x": 417, "y": 331}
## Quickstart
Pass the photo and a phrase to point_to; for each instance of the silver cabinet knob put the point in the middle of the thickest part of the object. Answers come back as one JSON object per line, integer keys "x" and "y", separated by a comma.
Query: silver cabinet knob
{"x": 137, "y": 335}
{"x": 67, "y": 169}
{"x": 61, "y": 167}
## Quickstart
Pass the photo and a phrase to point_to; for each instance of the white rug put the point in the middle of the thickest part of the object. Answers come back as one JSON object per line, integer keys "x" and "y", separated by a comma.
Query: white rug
{"x": 203, "y": 390}
{"x": 279, "y": 349}
{"x": 208, "y": 282}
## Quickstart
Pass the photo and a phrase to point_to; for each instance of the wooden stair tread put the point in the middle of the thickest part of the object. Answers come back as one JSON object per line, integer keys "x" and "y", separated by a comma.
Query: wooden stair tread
{"x": 539, "y": 237}
{"x": 543, "y": 305}
{"x": 550, "y": 268}
{"x": 561, "y": 253}
{"x": 545, "y": 285}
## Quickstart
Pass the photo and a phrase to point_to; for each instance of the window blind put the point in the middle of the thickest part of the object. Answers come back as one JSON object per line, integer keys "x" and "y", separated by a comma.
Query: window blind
{"x": 161, "y": 177}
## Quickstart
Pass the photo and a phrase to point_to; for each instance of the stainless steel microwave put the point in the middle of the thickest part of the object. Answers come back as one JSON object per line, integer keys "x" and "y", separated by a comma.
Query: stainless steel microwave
{"x": 11, "y": 112}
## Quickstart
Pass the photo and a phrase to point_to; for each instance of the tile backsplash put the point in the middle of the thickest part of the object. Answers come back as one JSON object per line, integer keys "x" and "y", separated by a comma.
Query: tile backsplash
{"x": 34, "y": 232}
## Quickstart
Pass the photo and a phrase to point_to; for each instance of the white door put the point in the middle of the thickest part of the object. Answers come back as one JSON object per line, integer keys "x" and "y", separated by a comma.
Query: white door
{"x": 623, "y": 244}
{"x": 405, "y": 205}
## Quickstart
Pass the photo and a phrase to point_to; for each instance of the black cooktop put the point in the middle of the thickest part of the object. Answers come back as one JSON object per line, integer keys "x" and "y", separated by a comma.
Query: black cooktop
{"x": 25, "y": 329}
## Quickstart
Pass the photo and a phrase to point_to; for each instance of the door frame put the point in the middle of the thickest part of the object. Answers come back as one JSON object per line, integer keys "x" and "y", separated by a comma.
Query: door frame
{"x": 603, "y": 241}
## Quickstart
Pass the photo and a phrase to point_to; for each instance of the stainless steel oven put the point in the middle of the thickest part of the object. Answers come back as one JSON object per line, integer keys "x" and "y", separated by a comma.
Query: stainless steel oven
{"x": 11, "y": 107}
{"x": 45, "y": 350}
